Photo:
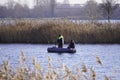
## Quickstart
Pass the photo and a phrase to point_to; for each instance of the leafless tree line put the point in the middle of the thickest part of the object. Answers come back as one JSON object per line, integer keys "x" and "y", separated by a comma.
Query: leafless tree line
{"x": 108, "y": 9}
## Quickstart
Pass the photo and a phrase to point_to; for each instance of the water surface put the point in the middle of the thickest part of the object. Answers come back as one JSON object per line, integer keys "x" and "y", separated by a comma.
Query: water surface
{"x": 110, "y": 55}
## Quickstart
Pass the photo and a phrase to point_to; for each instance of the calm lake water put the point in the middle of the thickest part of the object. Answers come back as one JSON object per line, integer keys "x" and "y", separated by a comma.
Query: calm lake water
{"x": 110, "y": 55}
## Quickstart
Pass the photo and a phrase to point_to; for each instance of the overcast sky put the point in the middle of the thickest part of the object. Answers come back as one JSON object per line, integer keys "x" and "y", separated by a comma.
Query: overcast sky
{"x": 77, "y": 1}
{"x": 71, "y": 1}
{"x": 30, "y": 2}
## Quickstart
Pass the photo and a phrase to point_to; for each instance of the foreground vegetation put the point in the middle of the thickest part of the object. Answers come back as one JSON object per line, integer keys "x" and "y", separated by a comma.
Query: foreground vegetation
{"x": 46, "y": 31}
{"x": 36, "y": 72}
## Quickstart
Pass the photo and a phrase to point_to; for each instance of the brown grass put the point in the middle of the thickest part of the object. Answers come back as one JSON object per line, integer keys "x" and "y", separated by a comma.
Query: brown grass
{"x": 46, "y": 31}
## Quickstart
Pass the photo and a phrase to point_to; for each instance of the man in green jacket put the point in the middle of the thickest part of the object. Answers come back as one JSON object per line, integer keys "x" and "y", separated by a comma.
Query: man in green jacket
{"x": 60, "y": 41}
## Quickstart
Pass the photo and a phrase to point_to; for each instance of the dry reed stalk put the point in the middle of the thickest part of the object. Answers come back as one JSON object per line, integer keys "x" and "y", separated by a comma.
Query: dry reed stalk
{"x": 6, "y": 70}
{"x": 23, "y": 57}
{"x": 56, "y": 74}
{"x": 116, "y": 71}
{"x": 33, "y": 60}
{"x": 84, "y": 68}
{"x": 38, "y": 76}
{"x": 74, "y": 77}
{"x": 49, "y": 59}
{"x": 68, "y": 71}
{"x": 49, "y": 62}
{"x": 86, "y": 77}
{"x": 38, "y": 66}
{"x": 93, "y": 74}
{"x": 106, "y": 77}
{"x": 68, "y": 74}
{"x": 99, "y": 61}
{"x": 79, "y": 72}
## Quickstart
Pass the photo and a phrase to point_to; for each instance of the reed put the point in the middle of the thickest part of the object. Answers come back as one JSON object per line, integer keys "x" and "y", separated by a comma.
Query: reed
{"x": 46, "y": 31}
{"x": 99, "y": 61}
{"x": 36, "y": 72}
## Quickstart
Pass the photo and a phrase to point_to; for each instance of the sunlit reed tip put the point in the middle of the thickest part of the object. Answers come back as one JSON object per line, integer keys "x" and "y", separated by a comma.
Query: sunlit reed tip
{"x": 99, "y": 60}
{"x": 106, "y": 77}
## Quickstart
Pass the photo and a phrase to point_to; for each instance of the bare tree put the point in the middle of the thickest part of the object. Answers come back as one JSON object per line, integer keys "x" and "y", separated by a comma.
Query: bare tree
{"x": 38, "y": 2}
{"x": 18, "y": 11}
{"x": 46, "y": 7}
{"x": 52, "y": 5}
{"x": 109, "y": 6}
{"x": 91, "y": 10}
{"x": 3, "y": 11}
{"x": 38, "y": 8}
{"x": 10, "y": 4}
{"x": 66, "y": 2}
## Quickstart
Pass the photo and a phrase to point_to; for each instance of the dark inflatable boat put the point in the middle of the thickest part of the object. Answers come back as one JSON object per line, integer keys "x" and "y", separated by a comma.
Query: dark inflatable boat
{"x": 61, "y": 50}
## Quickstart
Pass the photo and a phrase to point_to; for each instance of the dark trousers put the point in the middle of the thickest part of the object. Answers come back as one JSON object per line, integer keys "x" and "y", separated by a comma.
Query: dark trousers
{"x": 60, "y": 45}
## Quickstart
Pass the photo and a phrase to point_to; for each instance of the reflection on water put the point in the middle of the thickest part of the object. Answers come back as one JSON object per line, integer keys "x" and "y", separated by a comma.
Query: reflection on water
{"x": 110, "y": 55}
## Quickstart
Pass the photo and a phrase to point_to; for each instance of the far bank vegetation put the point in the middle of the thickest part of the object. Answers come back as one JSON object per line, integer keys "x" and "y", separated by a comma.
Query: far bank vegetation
{"x": 47, "y": 31}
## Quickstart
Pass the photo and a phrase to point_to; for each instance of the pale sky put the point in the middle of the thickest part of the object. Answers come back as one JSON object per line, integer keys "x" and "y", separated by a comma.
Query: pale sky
{"x": 30, "y": 2}
{"x": 77, "y": 1}
{"x": 71, "y": 1}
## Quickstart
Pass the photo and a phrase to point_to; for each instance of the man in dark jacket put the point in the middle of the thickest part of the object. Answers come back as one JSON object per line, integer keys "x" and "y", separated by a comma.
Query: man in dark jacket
{"x": 71, "y": 44}
{"x": 60, "y": 41}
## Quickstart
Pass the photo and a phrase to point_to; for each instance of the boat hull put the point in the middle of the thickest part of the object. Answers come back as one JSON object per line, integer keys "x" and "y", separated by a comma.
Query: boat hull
{"x": 61, "y": 50}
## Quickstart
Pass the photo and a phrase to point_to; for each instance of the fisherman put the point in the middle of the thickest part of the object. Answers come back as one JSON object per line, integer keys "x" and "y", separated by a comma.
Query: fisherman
{"x": 71, "y": 44}
{"x": 60, "y": 41}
